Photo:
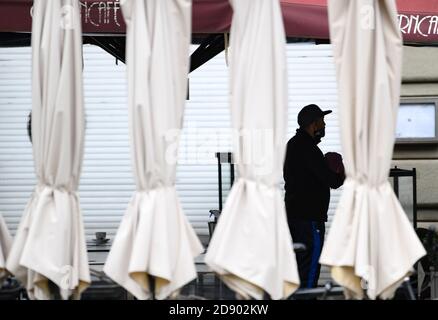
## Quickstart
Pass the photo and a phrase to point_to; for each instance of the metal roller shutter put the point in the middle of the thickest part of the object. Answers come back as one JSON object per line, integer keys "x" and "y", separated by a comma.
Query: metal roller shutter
{"x": 106, "y": 183}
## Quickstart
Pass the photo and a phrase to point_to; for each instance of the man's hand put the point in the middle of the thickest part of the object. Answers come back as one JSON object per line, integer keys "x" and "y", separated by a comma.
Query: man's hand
{"x": 334, "y": 162}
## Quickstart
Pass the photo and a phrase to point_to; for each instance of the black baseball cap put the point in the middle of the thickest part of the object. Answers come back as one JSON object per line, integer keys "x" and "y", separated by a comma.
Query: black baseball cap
{"x": 309, "y": 114}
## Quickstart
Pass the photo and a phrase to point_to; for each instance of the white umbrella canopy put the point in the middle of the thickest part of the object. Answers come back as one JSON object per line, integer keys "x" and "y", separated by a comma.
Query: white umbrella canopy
{"x": 155, "y": 240}
{"x": 50, "y": 242}
{"x": 5, "y": 246}
{"x": 371, "y": 246}
{"x": 251, "y": 248}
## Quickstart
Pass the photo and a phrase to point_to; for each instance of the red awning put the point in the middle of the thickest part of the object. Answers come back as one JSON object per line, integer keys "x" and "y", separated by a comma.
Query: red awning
{"x": 418, "y": 19}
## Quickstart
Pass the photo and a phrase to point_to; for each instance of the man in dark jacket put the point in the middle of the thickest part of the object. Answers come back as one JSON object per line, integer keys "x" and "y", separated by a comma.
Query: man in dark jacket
{"x": 308, "y": 176}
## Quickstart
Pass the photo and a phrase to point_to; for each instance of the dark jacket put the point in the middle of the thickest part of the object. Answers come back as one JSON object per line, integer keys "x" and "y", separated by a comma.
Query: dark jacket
{"x": 308, "y": 179}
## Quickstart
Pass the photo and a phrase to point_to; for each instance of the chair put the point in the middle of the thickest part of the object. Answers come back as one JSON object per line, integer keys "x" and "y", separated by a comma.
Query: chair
{"x": 12, "y": 290}
{"x": 222, "y": 157}
{"x": 103, "y": 288}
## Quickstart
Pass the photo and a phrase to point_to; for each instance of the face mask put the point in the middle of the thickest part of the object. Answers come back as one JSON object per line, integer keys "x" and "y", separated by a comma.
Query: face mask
{"x": 319, "y": 134}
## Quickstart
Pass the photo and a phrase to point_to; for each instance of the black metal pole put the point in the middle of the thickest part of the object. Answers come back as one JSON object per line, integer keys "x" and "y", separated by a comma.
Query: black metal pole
{"x": 230, "y": 160}
{"x": 219, "y": 179}
{"x": 414, "y": 187}
{"x": 152, "y": 285}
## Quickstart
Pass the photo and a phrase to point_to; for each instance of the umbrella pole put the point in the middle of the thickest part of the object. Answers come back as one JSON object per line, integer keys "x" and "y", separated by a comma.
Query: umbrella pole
{"x": 54, "y": 290}
{"x": 409, "y": 291}
{"x": 152, "y": 286}
{"x": 266, "y": 296}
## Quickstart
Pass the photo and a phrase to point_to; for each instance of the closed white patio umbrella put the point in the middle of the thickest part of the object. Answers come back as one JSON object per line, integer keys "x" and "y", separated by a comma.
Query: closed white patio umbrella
{"x": 155, "y": 240}
{"x": 251, "y": 248}
{"x": 371, "y": 246}
{"x": 5, "y": 246}
{"x": 50, "y": 243}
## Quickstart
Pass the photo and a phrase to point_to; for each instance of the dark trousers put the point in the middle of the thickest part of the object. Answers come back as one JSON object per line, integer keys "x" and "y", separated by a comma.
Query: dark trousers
{"x": 311, "y": 234}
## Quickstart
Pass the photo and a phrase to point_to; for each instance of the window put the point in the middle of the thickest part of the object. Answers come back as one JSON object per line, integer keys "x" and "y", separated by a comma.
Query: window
{"x": 417, "y": 121}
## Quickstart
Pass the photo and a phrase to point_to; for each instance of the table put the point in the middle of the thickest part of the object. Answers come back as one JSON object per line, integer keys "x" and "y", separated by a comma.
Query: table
{"x": 93, "y": 246}
{"x": 98, "y": 252}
